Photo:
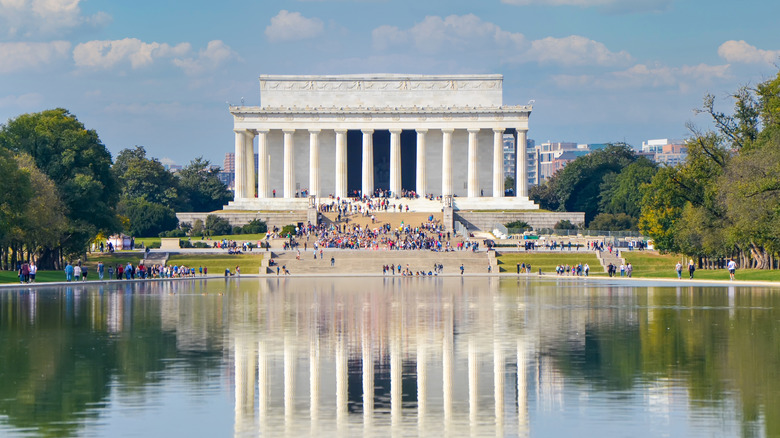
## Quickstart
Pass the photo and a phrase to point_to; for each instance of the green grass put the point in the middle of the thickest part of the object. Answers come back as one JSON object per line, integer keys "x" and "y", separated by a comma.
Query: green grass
{"x": 217, "y": 263}
{"x": 146, "y": 241}
{"x": 548, "y": 261}
{"x": 653, "y": 265}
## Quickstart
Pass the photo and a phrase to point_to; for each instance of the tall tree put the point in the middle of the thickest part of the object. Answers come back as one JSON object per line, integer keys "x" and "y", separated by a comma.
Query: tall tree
{"x": 145, "y": 178}
{"x": 79, "y": 165}
{"x": 200, "y": 188}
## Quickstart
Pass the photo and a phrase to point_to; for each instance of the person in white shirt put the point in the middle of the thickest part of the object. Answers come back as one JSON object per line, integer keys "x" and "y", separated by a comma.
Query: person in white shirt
{"x": 732, "y": 266}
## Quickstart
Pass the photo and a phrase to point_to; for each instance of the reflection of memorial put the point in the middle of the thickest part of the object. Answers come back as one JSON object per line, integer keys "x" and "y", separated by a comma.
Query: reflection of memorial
{"x": 406, "y": 359}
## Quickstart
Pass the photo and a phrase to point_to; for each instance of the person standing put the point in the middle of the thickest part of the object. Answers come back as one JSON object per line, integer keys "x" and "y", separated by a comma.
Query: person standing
{"x": 69, "y": 270}
{"x": 462, "y": 269}
{"x": 77, "y": 272}
{"x": 101, "y": 270}
{"x": 732, "y": 266}
{"x": 629, "y": 269}
{"x": 691, "y": 268}
{"x": 586, "y": 269}
{"x": 84, "y": 273}
{"x": 332, "y": 261}
{"x": 678, "y": 268}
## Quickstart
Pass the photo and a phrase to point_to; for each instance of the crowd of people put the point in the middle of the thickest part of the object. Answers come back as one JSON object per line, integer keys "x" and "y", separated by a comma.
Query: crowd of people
{"x": 80, "y": 272}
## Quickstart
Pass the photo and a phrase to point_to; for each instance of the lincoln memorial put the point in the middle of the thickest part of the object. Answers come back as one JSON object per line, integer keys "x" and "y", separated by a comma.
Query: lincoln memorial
{"x": 323, "y": 137}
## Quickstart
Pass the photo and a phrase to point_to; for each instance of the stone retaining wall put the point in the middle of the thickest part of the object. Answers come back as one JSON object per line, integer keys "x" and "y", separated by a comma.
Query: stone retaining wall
{"x": 272, "y": 219}
{"x": 484, "y": 221}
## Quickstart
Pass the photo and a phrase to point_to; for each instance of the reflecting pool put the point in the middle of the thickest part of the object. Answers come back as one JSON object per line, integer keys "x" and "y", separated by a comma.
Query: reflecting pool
{"x": 389, "y": 356}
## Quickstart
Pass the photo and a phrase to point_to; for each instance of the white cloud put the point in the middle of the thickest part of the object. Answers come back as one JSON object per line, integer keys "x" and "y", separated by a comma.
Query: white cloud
{"x": 36, "y": 18}
{"x": 574, "y": 50}
{"x": 107, "y": 54}
{"x": 455, "y": 32}
{"x": 292, "y": 26}
{"x": 478, "y": 39}
{"x": 24, "y": 56}
{"x": 608, "y": 5}
{"x": 213, "y": 56}
{"x": 642, "y": 76}
{"x": 742, "y": 52}
{"x": 28, "y": 100}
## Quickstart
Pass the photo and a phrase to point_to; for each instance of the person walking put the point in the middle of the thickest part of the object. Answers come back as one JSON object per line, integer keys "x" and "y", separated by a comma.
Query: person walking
{"x": 332, "y": 261}
{"x": 732, "y": 267}
{"x": 461, "y": 269}
{"x": 33, "y": 271}
{"x": 691, "y": 268}
{"x": 101, "y": 270}
{"x": 678, "y": 269}
{"x": 69, "y": 270}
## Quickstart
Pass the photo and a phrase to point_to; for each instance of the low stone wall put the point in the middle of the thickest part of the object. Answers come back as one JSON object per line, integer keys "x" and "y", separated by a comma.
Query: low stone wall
{"x": 484, "y": 221}
{"x": 237, "y": 218}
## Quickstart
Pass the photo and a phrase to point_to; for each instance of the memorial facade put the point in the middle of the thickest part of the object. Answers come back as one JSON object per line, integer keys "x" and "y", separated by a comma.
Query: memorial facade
{"x": 323, "y": 137}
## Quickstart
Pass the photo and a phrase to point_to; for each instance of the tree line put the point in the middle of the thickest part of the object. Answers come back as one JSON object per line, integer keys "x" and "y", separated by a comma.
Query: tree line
{"x": 722, "y": 202}
{"x": 61, "y": 190}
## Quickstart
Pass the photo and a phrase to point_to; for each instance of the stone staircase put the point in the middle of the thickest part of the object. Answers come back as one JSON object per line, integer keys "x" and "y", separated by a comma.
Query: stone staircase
{"x": 605, "y": 257}
{"x": 371, "y": 262}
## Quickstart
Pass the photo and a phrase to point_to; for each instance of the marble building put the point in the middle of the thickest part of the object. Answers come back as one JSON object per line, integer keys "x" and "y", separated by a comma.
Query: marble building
{"x": 342, "y": 136}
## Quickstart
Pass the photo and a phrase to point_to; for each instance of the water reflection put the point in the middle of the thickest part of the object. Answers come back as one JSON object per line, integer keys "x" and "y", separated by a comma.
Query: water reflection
{"x": 384, "y": 356}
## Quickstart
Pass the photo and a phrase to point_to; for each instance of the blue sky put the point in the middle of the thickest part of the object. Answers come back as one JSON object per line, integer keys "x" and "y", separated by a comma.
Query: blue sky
{"x": 160, "y": 73}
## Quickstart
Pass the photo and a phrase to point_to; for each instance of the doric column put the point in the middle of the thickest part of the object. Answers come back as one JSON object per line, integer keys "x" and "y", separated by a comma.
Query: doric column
{"x": 422, "y": 187}
{"x": 521, "y": 173}
{"x": 395, "y": 161}
{"x": 250, "y": 181}
{"x": 368, "y": 162}
{"x": 262, "y": 163}
{"x": 473, "y": 186}
{"x": 314, "y": 162}
{"x": 446, "y": 162}
{"x": 341, "y": 163}
{"x": 239, "y": 166}
{"x": 498, "y": 163}
{"x": 289, "y": 164}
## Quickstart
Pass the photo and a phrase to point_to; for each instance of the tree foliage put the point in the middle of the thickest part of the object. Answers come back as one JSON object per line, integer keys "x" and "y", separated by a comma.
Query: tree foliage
{"x": 200, "y": 188}
{"x": 146, "y": 218}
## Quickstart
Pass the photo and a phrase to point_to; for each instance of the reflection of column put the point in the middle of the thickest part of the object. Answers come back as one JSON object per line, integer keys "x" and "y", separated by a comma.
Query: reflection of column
{"x": 422, "y": 186}
{"x": 522, "y": 165}
{"x": 422, "y": 378}
{"x": 447, "y": 365}
{"x": 289, "y": 381}
{"x": 368, "y": 378}
{"x": 314, "y": 162}
{"x": 289, "y": 164}
{"x": 341, "y": 163}
{"x": 498, "y": 163}
{"x": 396, "y": 378}
{"x": 522, "y": 390}
{"x": 249, "y": 176}
{"x": 262, "y": 380}
{"x": 239, "y": 164}
{"x": 473, "y": 181}
{"x": 342, "y": 379}
{"x": 368, "y": 162}
{"x": 314, "y": 380}
{"x": 498, "y": 384}
{"x": 473, "y": 382}
{"x": 245, "y": 385}
{"x": 262, "y": 163}
{"x": 446, "y": 162}
{"x": 395, "y": 162}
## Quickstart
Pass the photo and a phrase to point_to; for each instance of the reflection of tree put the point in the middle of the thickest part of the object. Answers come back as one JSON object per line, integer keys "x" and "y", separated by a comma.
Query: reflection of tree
{"x": 58, "y": 359}
{"x": 720, "y": 350}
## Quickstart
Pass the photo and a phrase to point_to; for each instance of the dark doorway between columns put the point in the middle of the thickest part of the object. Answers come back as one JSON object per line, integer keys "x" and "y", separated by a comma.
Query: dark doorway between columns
{"x": 381, "y": 140}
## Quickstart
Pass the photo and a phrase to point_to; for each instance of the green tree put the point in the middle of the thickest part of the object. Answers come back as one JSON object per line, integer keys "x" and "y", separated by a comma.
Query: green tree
{"x": 216, "y": 225}
{"x": 80, "y": 167}
{"x": 613, "y": 222}
{"x": 622, "y": 192}
{"x": 145, "y": 178}
{"x": 200, "y": 188}
{"x": 147, "y": 219}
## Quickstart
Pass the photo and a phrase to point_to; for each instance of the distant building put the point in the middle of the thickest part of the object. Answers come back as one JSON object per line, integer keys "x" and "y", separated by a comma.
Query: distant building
{"x": 668, "y": 152}
{"x": 510, "y": 158}
{"x": 228, "y": 174}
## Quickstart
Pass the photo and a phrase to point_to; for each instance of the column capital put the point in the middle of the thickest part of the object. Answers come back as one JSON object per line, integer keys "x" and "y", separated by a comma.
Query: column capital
{"x": 289, "y": 130}
{"x": 240, "y": 131}
{"x": 367, "y": 131}
{"x": 473, "y": 130}
{"x": 315, "y": 131}
{"x": 422, "y": 130}
{"x": 263, "y": 131}
{"x": 341, "y": 130}
{"x": 395, "y": 130}
{"x": 448, "y": 130}
{"x": 524, "y": 131}
{"x": 499, "y": 130}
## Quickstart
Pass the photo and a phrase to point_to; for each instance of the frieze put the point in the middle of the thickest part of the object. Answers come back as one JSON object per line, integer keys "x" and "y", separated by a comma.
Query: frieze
{"x": 380, "y": 85}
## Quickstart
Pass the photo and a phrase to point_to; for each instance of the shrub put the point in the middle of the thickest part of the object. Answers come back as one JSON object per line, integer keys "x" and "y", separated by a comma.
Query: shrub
{"x": 565, "y": 225}
{"x": 174, "y": 233}
{"x": 200, "y": 244}
{"x": 255, "y": 226}
{"x": 517, "y": 224}
{"x": 613, "y": 222}
{"x": 288, "y": 229}
{"x": 154, "y": 245}
{"x": 217, "y": 225}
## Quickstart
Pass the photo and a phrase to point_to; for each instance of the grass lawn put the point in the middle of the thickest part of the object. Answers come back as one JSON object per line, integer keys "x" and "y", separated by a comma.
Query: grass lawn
{"x": 653, "y": 265}
{"x": 146, "y": 241}
{"x": 217, "y": 263}
{"x": 548, "y": 261}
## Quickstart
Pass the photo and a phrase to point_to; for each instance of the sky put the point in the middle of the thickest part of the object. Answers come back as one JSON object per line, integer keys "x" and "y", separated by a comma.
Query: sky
{"x": 161, "y": 73}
